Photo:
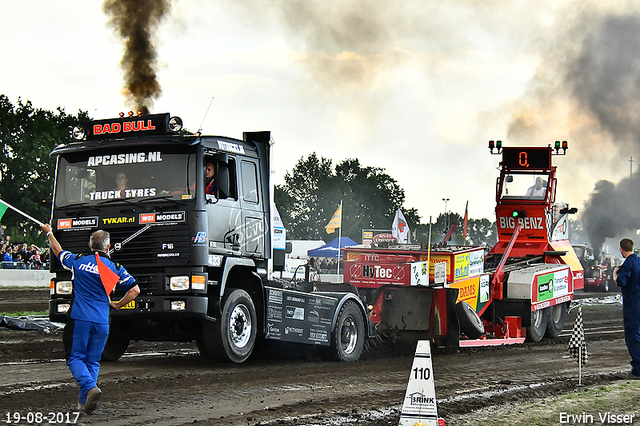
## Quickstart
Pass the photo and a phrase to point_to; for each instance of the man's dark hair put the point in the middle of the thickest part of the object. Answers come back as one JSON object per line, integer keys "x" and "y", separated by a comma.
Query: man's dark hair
{"x": 626, "y": 244}
{"x": 100, "y": 240}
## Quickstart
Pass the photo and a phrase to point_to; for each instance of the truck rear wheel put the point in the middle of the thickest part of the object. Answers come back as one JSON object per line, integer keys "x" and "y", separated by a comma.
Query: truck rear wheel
{"x": 234, "y": 336}
{"x": 538, "y": 326}
{"x": 347, "y": 340}
{"x": 557, "y": 315}
{"x": 470, "y": 323}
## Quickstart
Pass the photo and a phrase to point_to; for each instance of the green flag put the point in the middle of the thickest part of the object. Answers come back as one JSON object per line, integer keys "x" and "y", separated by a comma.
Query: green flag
{"x": 3, "y": 208}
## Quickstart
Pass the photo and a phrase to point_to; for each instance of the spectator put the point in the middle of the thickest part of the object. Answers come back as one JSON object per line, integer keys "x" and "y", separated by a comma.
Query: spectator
{"x": 8, "y": 255}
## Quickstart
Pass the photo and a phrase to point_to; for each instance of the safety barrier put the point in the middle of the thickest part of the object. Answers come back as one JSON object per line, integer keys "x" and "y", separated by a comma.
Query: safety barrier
{"x": 25, "y": 277}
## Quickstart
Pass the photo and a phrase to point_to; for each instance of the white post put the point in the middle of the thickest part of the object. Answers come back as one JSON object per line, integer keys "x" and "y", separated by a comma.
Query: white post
{"x": 580, "y": 365}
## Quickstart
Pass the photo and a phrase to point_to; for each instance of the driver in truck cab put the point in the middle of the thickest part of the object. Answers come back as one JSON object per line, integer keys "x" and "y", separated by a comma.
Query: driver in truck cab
{"x": 537, "y": 190}
{"x": 210, "y": 181}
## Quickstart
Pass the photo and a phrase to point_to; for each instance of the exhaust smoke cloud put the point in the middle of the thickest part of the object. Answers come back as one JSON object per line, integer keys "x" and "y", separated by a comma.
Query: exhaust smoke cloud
{"x": 587, "y": 90}
{"x": 135, "y": 22}
{"x": 605, "y": 79}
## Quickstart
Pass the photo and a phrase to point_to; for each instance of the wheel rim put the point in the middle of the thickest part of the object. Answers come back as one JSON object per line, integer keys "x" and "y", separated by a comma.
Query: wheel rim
{"x": 536, "y": 319}
{"x": 240, "y": 326}
{"x": 556, "y": 314}
{"x": 348, "y": 335}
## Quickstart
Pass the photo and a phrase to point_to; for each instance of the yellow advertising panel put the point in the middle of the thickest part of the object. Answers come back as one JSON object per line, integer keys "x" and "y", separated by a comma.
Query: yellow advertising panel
{"x": 468, "y": 291}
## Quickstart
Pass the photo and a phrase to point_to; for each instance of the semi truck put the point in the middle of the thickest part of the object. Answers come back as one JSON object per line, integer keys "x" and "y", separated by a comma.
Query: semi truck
{"x": 203, "y": 259}
{"x": 461, "y": 296}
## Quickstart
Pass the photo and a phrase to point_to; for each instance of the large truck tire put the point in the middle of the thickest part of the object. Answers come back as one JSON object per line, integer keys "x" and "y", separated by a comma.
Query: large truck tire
{"x": 557, "y": 315}
{"x": 233, "y": 337}
{"x": 116, "y": 346}
{"x": 538, "y": 327}
{"x": 347, "y": 339}
{"x": 470, "y": 323}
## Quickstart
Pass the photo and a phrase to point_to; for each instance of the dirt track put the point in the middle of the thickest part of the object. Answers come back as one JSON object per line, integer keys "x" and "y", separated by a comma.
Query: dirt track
{"x": 169, "y": 384}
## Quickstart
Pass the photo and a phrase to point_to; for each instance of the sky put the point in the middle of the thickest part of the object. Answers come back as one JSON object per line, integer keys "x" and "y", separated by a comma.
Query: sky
{"x": 415, "y": 87}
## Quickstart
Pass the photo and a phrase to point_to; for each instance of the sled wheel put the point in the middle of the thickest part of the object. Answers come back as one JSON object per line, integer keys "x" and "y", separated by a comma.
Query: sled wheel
{"x": 116, "y": 346}
{"x": 233, "y": 337}
{"x": 557, "y": 315}
{"x": 538, "y": 326}
{"x": 347, "y": 340}
{"x": 470, "y": 323}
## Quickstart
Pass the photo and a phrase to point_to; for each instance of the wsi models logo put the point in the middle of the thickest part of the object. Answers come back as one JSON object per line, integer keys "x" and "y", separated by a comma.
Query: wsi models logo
{"x": 162, "y": 217}
{"x": 78, "y": 223}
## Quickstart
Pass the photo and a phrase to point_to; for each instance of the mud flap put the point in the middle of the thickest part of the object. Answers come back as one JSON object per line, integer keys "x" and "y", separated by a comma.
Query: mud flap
{"x": 422, "y": 309}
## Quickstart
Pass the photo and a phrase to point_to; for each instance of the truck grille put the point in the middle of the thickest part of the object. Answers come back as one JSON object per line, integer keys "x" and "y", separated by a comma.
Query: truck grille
{"x": 158, "y": 245}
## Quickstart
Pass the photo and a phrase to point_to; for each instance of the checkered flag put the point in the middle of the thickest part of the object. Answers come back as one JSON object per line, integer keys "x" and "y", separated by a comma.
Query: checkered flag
{"x": 577, "y": 343}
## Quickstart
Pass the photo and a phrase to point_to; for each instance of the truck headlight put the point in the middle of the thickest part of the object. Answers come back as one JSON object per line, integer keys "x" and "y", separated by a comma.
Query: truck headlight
{"x": 64, "y": 287}
{"x": 178, "y": 305}
{"x": 63, "y": 308}
{"x": 179, "y": 283}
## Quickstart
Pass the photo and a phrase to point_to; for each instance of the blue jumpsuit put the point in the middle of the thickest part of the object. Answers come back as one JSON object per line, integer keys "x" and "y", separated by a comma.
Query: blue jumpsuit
{"x": 87, "y": 331}
{"x": 629, "y": 281}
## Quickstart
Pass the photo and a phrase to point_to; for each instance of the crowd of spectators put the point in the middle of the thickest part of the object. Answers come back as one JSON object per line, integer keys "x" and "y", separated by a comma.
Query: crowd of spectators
{"x": 22, "y": 255}
{"x": 325, "y": 265}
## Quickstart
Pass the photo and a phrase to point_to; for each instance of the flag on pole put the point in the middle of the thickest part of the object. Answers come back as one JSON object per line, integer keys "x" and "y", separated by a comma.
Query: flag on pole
{"x": 336, "y": 221}
{"x": 3, "y": 208}
{"x": 400, "y": 228}
{"x": 577, "y": 343}
{"x": 107, "y": 276}
{"x": 465, "y": 224}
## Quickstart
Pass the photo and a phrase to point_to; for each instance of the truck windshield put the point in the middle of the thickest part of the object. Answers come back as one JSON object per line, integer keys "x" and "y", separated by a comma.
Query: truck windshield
{"x": 124, "y": 176}
{"x": 531, "y": 186}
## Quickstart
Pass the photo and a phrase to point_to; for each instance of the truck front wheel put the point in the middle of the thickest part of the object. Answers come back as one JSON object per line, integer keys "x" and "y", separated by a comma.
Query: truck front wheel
{"x": 233, "y": 337}
{"x": 538, "y": 326}
{"x": 347, "y": 340}
{"x": 116, "y": 346}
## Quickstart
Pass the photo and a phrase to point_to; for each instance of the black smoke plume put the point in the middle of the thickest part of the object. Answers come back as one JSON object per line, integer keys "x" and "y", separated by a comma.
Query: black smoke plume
{"x": 135, "y": 22}
{"x": 612, "y": 211}
{"x": 604, "y": 77}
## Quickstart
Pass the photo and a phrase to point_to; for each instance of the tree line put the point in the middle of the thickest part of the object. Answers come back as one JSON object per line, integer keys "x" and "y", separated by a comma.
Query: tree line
{"x": 27, "y": 137}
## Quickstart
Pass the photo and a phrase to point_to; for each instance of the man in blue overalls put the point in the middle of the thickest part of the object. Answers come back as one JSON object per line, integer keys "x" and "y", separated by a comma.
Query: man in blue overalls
{"x": 88, "y": 325}
{"x": 627, "y": 277}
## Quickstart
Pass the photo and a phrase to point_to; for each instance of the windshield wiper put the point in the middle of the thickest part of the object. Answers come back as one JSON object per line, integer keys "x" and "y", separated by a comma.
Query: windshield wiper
{"x": 167, "y": 197}
{"x": 113, "y": 200}
{"x": 74, "y": 205}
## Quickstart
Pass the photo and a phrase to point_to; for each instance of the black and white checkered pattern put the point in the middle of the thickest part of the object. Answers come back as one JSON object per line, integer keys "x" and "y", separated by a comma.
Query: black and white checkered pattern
{"x": 577, "y": 340}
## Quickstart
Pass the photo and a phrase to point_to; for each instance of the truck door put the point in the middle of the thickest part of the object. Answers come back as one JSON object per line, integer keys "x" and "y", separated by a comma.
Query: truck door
{"x": 223, "y": 207}
{"x": 252, "y": 212}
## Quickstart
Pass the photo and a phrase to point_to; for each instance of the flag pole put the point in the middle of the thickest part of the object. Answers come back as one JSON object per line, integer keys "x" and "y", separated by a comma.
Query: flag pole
{"x": 580, "y": 366}
{"x": 580, "y": 355}
{"x": 339, "y": 241}
{"x": 21, "y": 212}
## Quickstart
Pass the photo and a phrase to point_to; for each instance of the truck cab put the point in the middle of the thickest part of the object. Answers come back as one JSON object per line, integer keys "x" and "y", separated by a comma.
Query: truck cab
{"x": 143, "y": 181}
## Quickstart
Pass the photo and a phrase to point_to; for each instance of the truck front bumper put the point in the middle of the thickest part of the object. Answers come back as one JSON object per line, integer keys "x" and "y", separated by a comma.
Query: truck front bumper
{"x": 164, "y": 306}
